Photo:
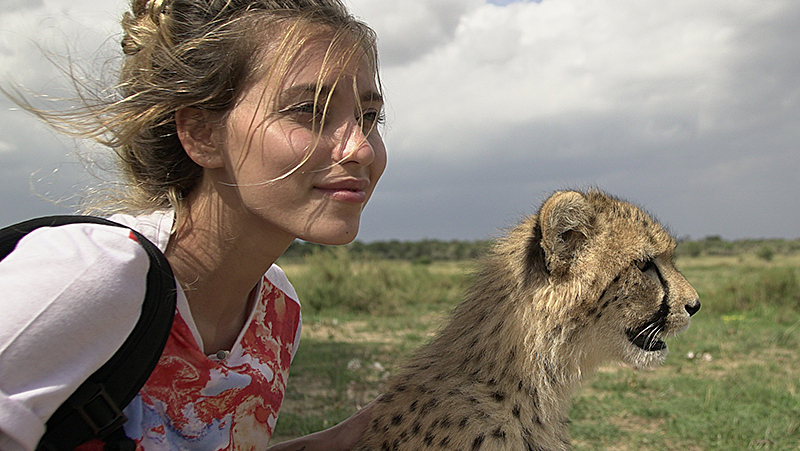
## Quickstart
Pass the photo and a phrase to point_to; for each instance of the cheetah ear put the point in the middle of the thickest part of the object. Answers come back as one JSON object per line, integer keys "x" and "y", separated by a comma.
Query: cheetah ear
{"x": 566, "y": 221}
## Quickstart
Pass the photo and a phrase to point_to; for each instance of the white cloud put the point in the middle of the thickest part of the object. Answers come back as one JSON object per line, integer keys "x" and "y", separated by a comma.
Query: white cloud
{"x": 681, "y": 101}
{"x": 672, "y": 67}
{"x": 32, "y": 39}
{"x": 17, "y": 5}
{"x": 690, "y": 108}
{"x": 412, "y": 28}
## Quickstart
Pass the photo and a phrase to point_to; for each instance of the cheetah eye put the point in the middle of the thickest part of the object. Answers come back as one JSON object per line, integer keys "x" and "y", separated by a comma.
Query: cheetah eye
{"x": 646, "y": 265}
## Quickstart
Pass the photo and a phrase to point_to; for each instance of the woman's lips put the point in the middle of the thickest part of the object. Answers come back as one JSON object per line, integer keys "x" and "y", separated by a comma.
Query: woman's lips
{"x": 350, "y": 191}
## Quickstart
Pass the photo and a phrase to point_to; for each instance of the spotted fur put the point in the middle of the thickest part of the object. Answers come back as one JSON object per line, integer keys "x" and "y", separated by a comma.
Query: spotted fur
{"x": 588, "y": 279}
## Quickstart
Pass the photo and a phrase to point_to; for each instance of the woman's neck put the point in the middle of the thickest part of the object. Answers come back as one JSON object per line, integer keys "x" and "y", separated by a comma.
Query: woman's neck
{"x": 219, "y": 256}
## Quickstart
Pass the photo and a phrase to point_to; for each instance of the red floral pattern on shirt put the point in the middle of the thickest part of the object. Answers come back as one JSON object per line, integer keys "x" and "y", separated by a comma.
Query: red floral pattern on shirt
{"x": 192, "y": 401}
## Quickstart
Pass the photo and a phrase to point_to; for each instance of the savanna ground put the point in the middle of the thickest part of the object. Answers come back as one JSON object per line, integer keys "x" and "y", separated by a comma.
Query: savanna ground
{"x": 731, "y": 382}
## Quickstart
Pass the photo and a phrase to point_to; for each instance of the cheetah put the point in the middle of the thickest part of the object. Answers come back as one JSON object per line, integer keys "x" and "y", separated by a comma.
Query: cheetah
{"x": 588, "y": 279}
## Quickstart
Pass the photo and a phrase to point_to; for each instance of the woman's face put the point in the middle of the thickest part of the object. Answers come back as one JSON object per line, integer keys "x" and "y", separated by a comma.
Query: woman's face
{"x": 268, "y": 135}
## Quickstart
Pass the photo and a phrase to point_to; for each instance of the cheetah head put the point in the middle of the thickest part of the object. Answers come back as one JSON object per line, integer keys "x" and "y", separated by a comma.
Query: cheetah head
{"x": 611, "y": 264}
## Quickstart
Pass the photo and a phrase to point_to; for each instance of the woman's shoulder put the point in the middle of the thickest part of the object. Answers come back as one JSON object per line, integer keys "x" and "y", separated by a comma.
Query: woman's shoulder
{"x": 77, "y": 250}
{"x": 71, "y": 295}
{"x": 76, "y": 269}
{"x": 156, "y": 226}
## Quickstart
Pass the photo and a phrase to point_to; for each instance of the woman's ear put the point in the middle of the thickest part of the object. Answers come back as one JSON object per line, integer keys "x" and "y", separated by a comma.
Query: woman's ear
{"x": 197, "y": 132}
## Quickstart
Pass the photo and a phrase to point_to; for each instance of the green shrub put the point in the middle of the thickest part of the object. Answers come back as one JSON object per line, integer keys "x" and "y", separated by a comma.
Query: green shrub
{"x": 690, "y": 248}
{"x": 335, "y": 279}
{"x": 765, "y": 253}
{"x": 775, "y": 287}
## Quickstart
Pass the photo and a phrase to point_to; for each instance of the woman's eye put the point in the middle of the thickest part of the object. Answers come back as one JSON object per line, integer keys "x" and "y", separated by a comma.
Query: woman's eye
{"x": 371, "y": 118}
{"x": 305, "y": 112}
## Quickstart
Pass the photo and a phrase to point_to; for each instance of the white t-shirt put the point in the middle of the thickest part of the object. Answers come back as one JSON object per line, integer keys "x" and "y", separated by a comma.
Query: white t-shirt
{"x": 69, "y": 297}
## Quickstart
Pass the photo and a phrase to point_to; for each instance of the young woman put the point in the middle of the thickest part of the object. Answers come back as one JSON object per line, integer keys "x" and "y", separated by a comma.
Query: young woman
{"x": 240, "y": 125}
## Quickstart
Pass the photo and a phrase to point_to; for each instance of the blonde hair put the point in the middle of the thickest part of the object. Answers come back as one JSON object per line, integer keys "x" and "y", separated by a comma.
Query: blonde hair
{"x": 202, "y": 54}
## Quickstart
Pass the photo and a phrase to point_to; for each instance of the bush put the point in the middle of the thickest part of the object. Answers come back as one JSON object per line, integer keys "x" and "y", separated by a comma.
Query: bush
{"x": 335, "y": 279}
{"x": 776, "y": 287}
{"x": 765, "y": 253}
{"x": 422, "y": 251}
{"x": 691, "y": 248}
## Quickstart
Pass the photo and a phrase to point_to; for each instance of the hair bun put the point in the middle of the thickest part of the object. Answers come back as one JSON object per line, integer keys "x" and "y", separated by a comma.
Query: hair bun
{"x": 140, "y": 24}
{"x": 152, "y": 8}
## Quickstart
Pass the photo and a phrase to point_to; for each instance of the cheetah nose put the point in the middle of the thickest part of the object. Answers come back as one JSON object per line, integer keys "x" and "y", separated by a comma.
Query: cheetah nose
{"x": 693, "y": 307}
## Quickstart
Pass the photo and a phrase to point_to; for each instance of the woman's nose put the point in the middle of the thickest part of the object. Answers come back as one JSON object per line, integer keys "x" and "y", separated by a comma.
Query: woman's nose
{"x": 354, "y": 145}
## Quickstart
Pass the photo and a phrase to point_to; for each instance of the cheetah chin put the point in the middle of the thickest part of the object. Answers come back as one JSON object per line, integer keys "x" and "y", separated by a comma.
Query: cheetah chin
{"x": 588, "y": 279}
{"x": 645, "y": 337}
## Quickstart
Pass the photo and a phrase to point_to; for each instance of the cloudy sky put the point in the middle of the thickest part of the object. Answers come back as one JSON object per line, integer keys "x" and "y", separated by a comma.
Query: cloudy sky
{"x": 690, "y": 109}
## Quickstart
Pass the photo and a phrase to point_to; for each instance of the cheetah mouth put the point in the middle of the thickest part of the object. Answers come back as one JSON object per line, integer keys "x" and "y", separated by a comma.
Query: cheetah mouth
{"x": 647, "y": 337}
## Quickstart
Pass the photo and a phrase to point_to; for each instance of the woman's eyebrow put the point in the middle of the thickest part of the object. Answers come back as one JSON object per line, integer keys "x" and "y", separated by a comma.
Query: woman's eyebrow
{"x": 298, "y": 91}
{"x": 371, "y": 97}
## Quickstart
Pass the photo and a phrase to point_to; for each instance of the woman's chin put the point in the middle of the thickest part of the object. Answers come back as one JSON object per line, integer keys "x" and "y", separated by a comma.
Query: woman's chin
{"x": 334, "y": 236}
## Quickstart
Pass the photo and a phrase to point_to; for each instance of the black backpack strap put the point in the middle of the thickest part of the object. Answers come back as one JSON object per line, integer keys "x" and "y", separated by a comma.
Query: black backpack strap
{"x": 94, "y": 410}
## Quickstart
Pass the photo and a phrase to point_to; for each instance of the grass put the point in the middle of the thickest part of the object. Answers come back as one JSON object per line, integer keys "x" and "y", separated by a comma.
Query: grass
{"x": 731, "y": 382}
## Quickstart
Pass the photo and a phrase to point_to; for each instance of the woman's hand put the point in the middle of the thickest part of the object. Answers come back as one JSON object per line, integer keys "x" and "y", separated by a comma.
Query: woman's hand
{"x": 341, "y": 437}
